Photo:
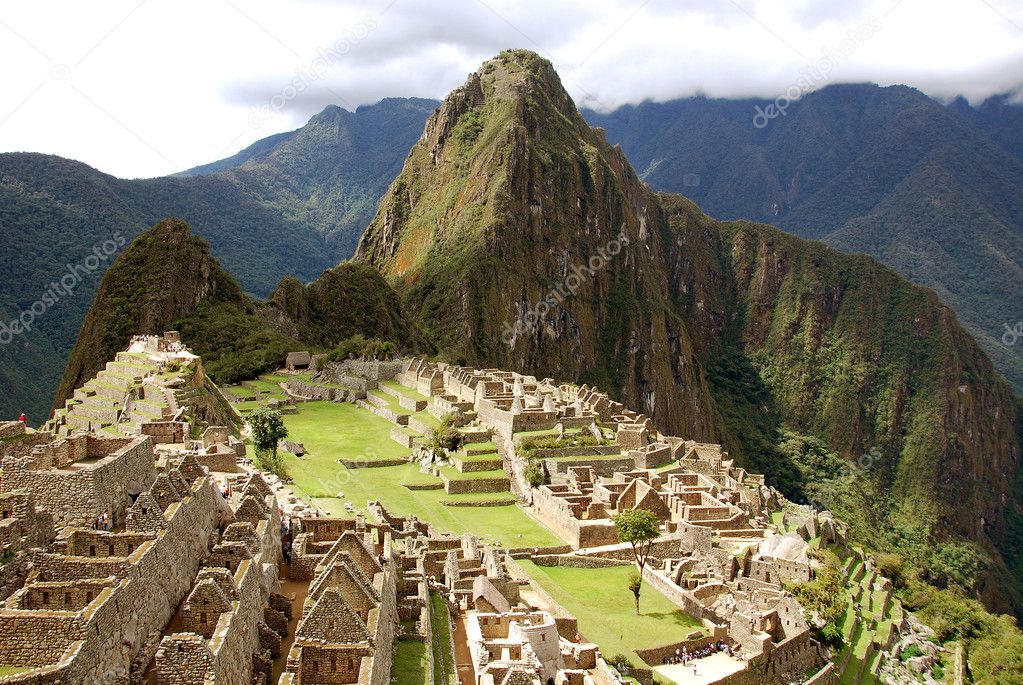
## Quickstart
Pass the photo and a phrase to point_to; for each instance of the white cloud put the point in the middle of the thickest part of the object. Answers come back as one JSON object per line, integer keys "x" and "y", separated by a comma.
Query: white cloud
{"x": 152, "y": 87}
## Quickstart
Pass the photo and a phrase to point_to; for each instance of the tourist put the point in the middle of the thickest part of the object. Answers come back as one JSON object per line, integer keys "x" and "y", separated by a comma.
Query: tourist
{"x": 22, "y": 418}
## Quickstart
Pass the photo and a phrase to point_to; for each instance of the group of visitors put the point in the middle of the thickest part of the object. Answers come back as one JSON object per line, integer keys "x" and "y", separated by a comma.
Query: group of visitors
{"x": 683, "y": 656}
{"x": 102, "y": 522}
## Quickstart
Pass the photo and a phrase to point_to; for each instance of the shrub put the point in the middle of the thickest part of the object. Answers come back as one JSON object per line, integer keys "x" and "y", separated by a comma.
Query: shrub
{"x": 825, "y": 596}
{"x": 893, "y": 567}
{"x": 360, "y": 346}
{"x": 447, "y": 439}
{"x": 534, "y": 475}
{"x": 910, "y": 652}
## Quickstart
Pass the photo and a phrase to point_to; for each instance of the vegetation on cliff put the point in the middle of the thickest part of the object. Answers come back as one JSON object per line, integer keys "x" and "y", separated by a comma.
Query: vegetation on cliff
{"x": 733, "y": 331}
{"x": 933, "y": 191}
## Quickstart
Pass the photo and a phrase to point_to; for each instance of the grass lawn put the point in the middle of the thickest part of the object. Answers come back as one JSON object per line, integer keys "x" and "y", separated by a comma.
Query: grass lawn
{"x": 444, "y": 672}
{"x": 13, "y": 670}
{"x": 338, "y": 429}
{"x": 411, "y": 663}
{"x": 382, "y": 399}
{"x": 426, "y": 418}
{"x": 454, "y": 474}
{"x": 588, "y": 457}
{"x": 330, "y": 430}
{"x": 407, "y": 392}
{"x": 489, "y": 456}
{"x": 600, "y": 599}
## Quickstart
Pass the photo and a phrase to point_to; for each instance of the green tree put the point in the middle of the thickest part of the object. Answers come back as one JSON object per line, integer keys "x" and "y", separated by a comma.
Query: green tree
{"x": 638, "y": 527}
{"x": 635, "y": 585}
{"x": 268, "y": 430}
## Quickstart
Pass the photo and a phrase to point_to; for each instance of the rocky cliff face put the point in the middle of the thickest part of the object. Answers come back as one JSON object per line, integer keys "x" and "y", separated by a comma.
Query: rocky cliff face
{"x": 517, "y": 237}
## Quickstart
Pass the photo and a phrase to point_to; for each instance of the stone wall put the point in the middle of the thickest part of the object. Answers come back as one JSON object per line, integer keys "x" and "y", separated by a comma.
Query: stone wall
{"x": 476, "y": 485}
{"x": 233, "y": 646}
{"x": 601, "y": 467}
{"x": 153, "y": 581}
{"x": 680, "y": 597}
{"x": 373, "y": 369}
{"x": 224, "y": 462}
{"x": 10, "y": 429}
{"x": 77, "y": 497}
{"x": 164, "y": 432}
{"x": 578, "y": 561}
{"x": 13, "y": 574}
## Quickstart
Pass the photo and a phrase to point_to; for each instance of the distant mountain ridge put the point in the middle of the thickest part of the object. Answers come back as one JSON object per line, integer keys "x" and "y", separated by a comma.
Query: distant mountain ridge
{"x": 294, "y": 203}
{"x": 941, "y": 215}
{"x": 935, "y": 192}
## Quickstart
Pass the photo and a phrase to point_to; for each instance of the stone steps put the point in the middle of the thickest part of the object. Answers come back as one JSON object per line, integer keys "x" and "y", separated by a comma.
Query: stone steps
{"x": 105, "y": 390}
{"x": 404, "y": 400}
{"x": 98, "y": 413}
{"x": 399, "y": 419}
{"x": 136, "y": 371}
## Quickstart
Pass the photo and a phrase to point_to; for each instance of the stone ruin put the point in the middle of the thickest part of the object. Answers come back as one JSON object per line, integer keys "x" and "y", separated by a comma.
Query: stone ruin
{"x": 96, "y": 602}
{"x": 156, "y": 380}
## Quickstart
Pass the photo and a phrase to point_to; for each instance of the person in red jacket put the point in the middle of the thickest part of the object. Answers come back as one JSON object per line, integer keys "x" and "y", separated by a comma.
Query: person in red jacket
{"x": 22, "y": 419}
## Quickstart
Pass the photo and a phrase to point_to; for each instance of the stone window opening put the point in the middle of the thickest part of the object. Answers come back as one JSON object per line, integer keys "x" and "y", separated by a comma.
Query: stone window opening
{"x": 110, "y": 550}
{"x": 67, "y": 598}
{"x": 92, "y": 550}
{"x": 46, "y": 598}
{"x": 88, "y": 596}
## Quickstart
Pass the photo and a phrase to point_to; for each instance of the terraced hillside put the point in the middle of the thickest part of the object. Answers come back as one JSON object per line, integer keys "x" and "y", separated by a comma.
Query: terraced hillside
{"x": 137, "y": 388}
{"x": 871, "y": 622}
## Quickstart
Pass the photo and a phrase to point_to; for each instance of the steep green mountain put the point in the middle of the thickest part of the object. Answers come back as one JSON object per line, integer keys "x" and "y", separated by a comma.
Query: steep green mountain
{"x": 510, "y": 208}
{"x": 168, "y": 279}
{"x": 934, "y": 192}
{"x": 290, "y": 204}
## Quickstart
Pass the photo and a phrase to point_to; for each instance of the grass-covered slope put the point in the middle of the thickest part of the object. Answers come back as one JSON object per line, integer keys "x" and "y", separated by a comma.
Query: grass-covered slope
{"x": 820, "y": 343}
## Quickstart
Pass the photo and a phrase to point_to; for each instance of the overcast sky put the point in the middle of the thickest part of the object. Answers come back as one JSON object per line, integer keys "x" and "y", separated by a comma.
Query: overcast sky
{"x": 153, "y": 87}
